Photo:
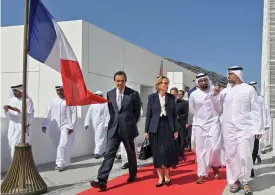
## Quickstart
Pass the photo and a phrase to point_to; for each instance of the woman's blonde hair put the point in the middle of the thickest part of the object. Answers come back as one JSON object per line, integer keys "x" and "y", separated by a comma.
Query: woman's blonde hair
{"x": 159, "y": 80}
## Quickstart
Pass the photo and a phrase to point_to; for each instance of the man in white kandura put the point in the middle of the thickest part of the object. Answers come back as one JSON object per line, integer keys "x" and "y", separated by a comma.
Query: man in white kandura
{"x": 264, "y": 143}
{"x": 241, "y": 121}
{"x": 258, "y": 143}
{"x": 123, "y": 153}
{"x": 206, "y": 126}
{"x": 13, "y": 112}
{"x": 99, "y": 115}
{"x": 61, "y": 120}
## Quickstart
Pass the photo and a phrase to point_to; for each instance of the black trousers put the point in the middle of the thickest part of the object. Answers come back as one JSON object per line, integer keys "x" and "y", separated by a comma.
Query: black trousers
{"x": 110, "y": 155}
{"x": 255, "y": 149}
{"x": 188, "y": 137}
{"x": 182, "y": 135}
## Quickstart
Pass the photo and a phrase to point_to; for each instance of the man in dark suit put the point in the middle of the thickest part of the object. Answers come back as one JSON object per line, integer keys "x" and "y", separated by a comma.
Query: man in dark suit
{"x": 124, "y": 108}
{"x": 182, "y": 115}
{"x": 182, "y": 112}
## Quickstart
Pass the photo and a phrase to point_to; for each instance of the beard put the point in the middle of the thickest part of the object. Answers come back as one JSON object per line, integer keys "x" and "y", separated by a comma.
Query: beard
{"x": 204, "y": 87}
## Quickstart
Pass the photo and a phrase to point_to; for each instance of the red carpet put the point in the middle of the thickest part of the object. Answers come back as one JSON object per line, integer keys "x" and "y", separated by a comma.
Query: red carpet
{"x": 183, "y": 180}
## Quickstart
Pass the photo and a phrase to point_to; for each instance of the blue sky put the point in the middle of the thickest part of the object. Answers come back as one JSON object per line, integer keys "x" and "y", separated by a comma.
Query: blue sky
{"x": 213, "y": 34}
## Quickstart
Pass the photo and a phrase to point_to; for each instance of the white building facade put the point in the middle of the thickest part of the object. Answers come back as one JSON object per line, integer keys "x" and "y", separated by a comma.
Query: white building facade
{"x": 100, "y": 55}
{"x": 268, "y": 63}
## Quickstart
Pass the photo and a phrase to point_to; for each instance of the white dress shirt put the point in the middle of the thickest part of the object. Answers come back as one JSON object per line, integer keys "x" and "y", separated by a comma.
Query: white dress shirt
{"x": 162, "y": 105}
{"x": 119, "y": 98}
{"x": 118, "y": 92}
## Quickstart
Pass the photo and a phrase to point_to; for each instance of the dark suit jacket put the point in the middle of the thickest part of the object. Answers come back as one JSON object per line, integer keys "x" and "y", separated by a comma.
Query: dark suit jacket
{"x": 182, "y": 111}
{"x": 154, "y": 110}
{"x": 190, "y": 118}
{"x": 126, "y": 118}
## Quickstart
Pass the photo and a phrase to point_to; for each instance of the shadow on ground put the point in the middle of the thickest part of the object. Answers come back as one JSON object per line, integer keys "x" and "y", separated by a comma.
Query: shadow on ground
{"x": 263, "y": 182}
{"x": 54, "y": 188}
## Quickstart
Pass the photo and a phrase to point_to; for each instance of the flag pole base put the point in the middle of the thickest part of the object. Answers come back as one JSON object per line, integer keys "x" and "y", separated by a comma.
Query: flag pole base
{"x": 22, "y": 176}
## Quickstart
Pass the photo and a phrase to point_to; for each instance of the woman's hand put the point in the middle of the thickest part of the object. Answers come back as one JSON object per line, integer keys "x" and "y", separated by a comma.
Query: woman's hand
{"x": 176, "y": 134}
{"x": 146, "y": 136}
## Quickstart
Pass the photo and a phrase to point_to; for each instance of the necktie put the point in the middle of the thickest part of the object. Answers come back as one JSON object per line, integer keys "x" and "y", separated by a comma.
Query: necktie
{"x": 119, "y": 100}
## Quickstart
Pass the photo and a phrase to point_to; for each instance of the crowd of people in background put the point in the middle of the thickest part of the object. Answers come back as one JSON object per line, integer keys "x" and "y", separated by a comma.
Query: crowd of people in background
{"x": 222, "y": 125}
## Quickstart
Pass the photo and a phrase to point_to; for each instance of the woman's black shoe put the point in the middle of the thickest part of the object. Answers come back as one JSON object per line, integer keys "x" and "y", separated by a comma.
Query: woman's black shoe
{"x": 167, "y": 182}
{"x": 160, "y": 184}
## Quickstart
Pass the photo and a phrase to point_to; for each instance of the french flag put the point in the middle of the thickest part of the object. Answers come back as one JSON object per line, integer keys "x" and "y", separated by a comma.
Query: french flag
{"x": 48, "y": 45}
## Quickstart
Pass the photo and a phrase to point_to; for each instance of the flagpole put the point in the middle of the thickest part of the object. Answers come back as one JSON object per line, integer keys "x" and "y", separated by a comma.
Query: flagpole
{"x": 25, "y": 67}
{"x": 161, "y": 69}
{"x": 22, "y": 176}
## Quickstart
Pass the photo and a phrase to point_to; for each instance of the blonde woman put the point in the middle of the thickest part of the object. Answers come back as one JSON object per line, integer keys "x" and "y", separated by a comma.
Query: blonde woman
{"x": 161, "y": 130}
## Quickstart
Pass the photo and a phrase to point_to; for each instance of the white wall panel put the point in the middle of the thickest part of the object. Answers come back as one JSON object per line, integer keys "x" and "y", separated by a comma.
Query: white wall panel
{"x": 105, "y": 52}
{"x": 140, "y": 65}
{"x": 178, "y": 77}
{"x": 12, "y": 50}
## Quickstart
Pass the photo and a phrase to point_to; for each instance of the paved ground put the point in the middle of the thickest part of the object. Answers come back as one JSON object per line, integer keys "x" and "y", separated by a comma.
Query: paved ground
{"x": 83, "y": 169}
{"x": 264, "y": 181}
{"x": 76, "y": 178}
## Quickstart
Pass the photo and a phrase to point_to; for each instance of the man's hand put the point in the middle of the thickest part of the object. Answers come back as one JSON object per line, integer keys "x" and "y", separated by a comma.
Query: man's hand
{"x": 86, "y": 127}
{"x": 187, "y": 126}
{"x": 146, "y": 136}
{"x": 44, "y": 129}
{"x": 70, "y": 131}
{"x": 14, "y": 109}
{"x": 217, "y": 90}
{"x": 176, "y": 135}
{"x": 6, "y": 108}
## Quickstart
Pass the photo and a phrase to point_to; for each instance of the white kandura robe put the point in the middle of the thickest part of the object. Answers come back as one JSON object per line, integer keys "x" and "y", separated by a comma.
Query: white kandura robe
{"x": 15, "y": 123}
{"x": 99, "y": 115}
{"x": 241, "y": 121}
{"x": 58, "y": 120}
{"x": 223, "y": 92}
{"x": 206, "y": 128}
{"x": 266, "y": 124}
{"x": 123, "y": 152}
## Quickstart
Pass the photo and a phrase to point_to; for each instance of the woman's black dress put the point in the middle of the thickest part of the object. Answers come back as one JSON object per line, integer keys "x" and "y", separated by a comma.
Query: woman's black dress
{"x": 165, "y": 149}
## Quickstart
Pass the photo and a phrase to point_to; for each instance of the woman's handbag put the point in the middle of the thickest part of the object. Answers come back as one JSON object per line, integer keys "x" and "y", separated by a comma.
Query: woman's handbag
{"x": 145, "y": 151}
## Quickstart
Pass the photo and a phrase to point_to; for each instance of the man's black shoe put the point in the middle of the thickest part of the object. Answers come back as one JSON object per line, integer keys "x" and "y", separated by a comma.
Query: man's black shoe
{"x": 259, "y": 160}
{"x": 125, "y": 166}
{"x": 252, "y": 173}
{"x": 131, "y": 179}
{"x": 97, "y": 156}
{"x": 99, "y": 184}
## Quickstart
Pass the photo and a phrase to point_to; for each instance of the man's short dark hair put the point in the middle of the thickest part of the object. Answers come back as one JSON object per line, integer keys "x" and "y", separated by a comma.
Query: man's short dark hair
{"x": 181, "y": 92}
{"x": 119, "y": 73}
{"x": 174, "y": 89}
